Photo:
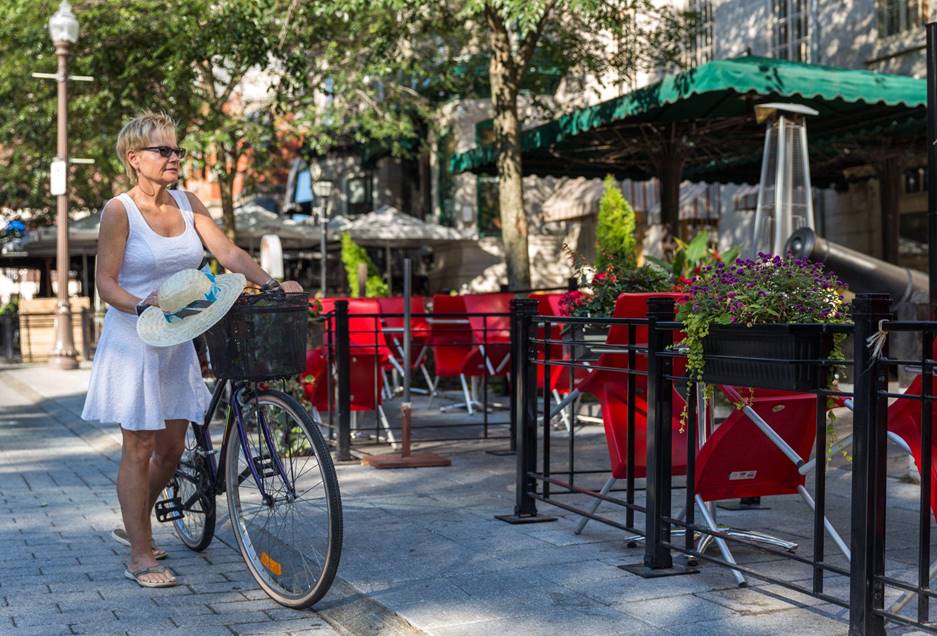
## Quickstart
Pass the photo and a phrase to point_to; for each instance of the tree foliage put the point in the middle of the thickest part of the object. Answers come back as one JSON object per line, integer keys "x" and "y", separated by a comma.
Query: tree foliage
{"x": 386, "y": 65}
{"x": 353, "y": 255}
{"x": 185, "y": 57}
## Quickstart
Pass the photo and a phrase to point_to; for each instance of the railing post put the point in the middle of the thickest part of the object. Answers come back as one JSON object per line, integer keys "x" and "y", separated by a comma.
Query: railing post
{"x": 343, "y": 371}
{"x": 657, "y": 558}
{"x": 515, "y": 374}
{"x": 524, "y": 412}
{"x": 867, "y": 545}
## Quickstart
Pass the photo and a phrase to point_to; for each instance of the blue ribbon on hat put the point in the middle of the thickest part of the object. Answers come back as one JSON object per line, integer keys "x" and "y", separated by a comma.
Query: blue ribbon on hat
{"x": 196, "y": 306}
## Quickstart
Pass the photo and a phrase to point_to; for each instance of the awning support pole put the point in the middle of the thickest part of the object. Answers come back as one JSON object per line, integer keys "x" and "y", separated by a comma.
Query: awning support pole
{"x": 932, "y": 165}
{"x": 889, "y": 180}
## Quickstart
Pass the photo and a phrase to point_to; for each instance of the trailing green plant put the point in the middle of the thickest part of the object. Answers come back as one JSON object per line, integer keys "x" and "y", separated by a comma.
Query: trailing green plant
{"x": 689, "y": 259}
{"x": 352, "y": 255}
{"x": 765, "y": 290}
{"x": 615, "y": 230}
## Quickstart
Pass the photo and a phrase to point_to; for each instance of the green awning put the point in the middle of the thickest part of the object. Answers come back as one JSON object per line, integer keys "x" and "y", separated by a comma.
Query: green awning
{"x": 709, "y": 110}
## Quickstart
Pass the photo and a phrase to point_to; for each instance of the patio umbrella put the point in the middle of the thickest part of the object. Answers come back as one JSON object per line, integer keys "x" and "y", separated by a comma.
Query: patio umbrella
{"x": 389, "y": 227}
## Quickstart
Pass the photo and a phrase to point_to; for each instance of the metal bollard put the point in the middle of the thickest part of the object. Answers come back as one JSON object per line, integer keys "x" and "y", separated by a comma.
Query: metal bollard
{"x": 524, "y": 409}
{"x": 343, "y": 368}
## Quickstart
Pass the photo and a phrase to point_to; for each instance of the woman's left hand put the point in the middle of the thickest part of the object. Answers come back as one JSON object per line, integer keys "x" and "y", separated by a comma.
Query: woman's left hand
{"x": 291, "y": 287}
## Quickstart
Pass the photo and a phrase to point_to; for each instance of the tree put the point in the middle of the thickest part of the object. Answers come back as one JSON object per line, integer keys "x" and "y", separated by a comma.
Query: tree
{"x": 389, "y": 55}
{"x": 353, "y": 255}
{"x": 614, "y": 231}
{"x": 188, "y": 59}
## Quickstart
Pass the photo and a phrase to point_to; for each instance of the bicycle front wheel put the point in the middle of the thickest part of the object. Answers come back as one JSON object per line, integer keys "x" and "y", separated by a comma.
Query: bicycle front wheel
{"x": 284, "y": 505}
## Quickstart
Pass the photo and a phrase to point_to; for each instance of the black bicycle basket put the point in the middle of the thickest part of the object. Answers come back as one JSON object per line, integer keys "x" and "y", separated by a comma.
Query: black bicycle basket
{"x": 262, "y": 337}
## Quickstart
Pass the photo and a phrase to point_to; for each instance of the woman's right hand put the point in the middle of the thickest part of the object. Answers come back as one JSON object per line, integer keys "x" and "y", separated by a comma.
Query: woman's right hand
{"x": 152, "y": 299}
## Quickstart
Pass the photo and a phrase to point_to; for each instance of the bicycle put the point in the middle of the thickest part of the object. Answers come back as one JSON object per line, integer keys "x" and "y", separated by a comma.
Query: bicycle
{"x": 274, "y": 466}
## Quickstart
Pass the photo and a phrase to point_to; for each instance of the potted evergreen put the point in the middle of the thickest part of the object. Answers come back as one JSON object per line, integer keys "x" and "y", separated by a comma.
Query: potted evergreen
{"x": 615, "y": 271}
{"x": 749, "y": 322}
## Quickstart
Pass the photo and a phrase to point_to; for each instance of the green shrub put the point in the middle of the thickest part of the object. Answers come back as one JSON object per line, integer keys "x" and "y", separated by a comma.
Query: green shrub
{"x": 352, "y": 254}
{"x": 614, "y": 233}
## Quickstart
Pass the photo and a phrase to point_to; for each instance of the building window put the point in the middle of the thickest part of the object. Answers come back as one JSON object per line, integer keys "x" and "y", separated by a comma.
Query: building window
{"x": 489, "y": 209}
{"x": 700, "y": 46}
{"x": 895, "y": 16}
{"x": 358, "y": 194}
{"x": 790, "y": 36}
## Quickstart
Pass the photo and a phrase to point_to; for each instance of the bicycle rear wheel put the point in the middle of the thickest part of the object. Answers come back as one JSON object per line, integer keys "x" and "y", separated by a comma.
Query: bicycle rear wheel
{"x": 191, "y": 484}
{"x": 290, "y": 535}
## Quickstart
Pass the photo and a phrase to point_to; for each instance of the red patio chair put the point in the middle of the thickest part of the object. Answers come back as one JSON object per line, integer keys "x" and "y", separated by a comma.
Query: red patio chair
{"x": 492, "y": 334}
{"x": 455, "y": 350}
{"x": 368, "y": 358}
{"x": 549, "y": 305}
{"x": 611, "y": 389}
{"x": 758, "y": 451}
{"x": 392, "y": 321}
{"x": 905, "y": 424}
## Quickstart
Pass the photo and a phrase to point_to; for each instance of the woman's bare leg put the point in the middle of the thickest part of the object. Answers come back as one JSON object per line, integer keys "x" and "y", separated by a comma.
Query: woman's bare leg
{"x": 168, "y": 447}
{"x": 133, "y": 493}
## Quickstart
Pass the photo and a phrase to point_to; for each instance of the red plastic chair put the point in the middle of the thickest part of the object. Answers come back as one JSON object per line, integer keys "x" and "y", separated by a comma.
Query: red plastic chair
{"x": 368, "y": 358}
{"x": 549, "y": 305}
{"x": 722, "y": 472}
{"x": 611, "y": 389}
{"x": 392, "y": 322}
{"x": 492, "y": 334}
{"x": 759, "y": 450}
{"x": 905, "y": 424}
{"x": 455, "y": 351}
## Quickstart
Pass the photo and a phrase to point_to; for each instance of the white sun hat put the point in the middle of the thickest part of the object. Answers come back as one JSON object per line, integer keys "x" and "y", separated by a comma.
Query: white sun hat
{"x": 190, "y": 302}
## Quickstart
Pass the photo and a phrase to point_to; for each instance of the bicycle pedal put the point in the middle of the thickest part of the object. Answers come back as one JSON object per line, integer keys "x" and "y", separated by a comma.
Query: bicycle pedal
{"x": 169, "y": 510}
{"x": 265, "y": 466}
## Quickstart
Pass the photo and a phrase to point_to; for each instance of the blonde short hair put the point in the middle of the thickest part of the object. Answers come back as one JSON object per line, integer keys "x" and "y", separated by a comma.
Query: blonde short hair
{"x": 136, "y": 134}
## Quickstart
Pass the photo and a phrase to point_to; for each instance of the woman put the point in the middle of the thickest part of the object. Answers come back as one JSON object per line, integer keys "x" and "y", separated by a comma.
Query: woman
{"x": 146, "y": 235}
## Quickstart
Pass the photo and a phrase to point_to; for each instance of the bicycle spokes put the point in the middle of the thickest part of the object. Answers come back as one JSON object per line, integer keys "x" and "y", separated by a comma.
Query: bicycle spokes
{"x": 286, "y": 518}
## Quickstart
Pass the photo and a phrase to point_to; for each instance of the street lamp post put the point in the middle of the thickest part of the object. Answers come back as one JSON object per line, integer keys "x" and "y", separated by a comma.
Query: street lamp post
{"x": 323, "y": 190}
{"x": 63, "y": 28}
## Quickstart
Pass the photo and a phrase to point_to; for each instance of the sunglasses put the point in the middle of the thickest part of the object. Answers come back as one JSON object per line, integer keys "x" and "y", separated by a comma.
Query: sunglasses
{"x": 166, "y": 151}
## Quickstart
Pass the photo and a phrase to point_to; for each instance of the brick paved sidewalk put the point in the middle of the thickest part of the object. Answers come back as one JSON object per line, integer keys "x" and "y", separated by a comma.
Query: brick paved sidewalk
{"x": 63, "y": 574}
{"x": 423, "y": 553}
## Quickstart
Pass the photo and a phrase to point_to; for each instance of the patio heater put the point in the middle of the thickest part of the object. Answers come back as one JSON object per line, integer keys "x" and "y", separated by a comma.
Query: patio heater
{"x": 785, "y": 203}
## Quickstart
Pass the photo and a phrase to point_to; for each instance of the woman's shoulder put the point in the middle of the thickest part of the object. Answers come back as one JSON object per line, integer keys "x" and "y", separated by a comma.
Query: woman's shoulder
{"x": 195, "y": 204}
{"x": 114, "y": 208}
{"x": 114, "y": 213}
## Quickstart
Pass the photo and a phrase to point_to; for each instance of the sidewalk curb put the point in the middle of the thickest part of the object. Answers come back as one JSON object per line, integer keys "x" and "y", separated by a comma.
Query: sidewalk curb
{"x": 358, "y": 615}
{"x": 352, "y": 613}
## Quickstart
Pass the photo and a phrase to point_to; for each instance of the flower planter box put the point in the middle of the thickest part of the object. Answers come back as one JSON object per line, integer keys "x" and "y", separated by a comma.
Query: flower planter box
{"x": 770, "y": 356}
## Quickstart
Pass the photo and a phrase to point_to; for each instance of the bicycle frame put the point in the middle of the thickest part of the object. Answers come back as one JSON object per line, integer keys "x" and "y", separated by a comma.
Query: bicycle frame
{"x": 217, "y": 467}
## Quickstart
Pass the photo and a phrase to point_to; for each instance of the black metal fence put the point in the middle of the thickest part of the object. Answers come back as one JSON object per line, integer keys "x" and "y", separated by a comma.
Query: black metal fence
{"x": 645, "y": 395}
{"x": 366, "y": 352}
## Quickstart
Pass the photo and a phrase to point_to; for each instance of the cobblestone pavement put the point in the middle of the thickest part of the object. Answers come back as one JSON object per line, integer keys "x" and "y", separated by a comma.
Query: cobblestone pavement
{"x": 423, "y": 553}
{"x": 63, "y": 574}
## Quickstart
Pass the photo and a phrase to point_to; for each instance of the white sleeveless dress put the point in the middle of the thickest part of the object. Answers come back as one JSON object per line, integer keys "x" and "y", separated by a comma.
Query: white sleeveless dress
{"x": 132, "y": 383}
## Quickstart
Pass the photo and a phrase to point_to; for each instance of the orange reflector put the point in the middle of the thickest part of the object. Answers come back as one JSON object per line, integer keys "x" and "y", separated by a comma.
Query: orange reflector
{"x": 274, "y": 566}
